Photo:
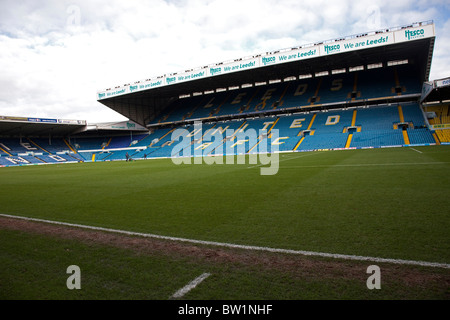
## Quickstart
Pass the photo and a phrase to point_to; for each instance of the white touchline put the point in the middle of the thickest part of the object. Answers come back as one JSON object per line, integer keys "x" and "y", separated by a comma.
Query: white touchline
{"x": 368, "y": 165}
{"x": 238, "y": 246}
{"x": 191, "y": 285}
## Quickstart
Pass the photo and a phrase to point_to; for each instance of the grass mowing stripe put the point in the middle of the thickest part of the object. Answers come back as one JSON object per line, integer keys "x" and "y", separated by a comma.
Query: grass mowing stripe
{"x": 236, "y": 246}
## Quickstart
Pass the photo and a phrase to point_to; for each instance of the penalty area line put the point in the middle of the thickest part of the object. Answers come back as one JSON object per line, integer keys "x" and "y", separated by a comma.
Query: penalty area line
{"x": 191, "y": 285}
{"x": 244, "y": 247}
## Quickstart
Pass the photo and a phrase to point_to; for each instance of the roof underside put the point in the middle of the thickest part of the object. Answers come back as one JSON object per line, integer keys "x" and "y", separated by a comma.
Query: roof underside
{"x": 17, "y": 128}
{"x": 438, "y": 95}
{"x": 143, "y": 106}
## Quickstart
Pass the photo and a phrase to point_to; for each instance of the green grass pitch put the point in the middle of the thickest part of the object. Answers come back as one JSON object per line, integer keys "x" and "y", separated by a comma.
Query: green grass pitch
{"x": 389, "y": 203}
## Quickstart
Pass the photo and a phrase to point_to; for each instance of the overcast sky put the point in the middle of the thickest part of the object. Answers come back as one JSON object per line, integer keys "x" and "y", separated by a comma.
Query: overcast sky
{"x": 55, "y": 54}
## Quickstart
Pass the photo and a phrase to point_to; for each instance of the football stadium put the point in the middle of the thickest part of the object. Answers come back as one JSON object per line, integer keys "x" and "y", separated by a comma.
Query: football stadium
{"x": 313, "y": 172}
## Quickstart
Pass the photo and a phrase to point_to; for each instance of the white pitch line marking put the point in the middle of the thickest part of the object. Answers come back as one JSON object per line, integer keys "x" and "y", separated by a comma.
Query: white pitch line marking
{"x": 191, "y": 285}
{"x": 416, "y": 150}
{"x": 244, "y": 247}
{"x": 369, "y": 164}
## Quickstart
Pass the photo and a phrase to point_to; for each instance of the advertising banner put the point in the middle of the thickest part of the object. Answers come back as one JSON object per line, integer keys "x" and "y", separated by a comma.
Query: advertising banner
{"x": 289, "y": 56}
{"x": 8, "y": 118}
{"x": 112, "y": 93}
{"x": 42, "y": 120}
{"x": 188, "y": 76}
{"x": 68, "y": 121}
{"x": 239, "y": 65}
{"x": 147, "y": 84}
{"x": 124, "y": 125}
{"x": 443, "y": 83}
{"x": 417, "y": 33}
{"x": 375, "y": 39}
{"x": 358, "y": 43}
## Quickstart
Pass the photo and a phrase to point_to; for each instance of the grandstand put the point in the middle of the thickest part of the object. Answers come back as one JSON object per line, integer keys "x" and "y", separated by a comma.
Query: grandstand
{"x": 435, "y": 102}
{"x": 369, "y": 90}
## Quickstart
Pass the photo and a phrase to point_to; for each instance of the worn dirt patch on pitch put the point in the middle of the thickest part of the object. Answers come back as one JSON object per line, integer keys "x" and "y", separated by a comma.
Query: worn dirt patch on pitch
{"x": 295, "y": 265}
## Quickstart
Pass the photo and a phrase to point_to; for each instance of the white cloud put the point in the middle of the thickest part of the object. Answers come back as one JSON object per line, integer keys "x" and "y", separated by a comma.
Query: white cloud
{"x": 56, "y": 54}
{"x": 440, "y": 66}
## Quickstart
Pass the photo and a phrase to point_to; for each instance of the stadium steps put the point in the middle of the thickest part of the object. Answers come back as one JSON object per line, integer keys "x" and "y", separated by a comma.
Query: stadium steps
{"x": 262, "y": 138}
{"x": 398, "y": 89}
{"x": 298, "y": 144}
{"x": 402, "y": 120}
{"x": 107, "y": 144}
{"x": 307, "y": 129}
{"x": 279, "y": 103}
{"x": 352, "y": 125}
{"x": 5, "y": 151}
{"x": 349, "y": 141}
{"x": 189, "y": 114}
{"x": 40, "y": 159}
{"x": 405, "y": 136}
{"x": 34, "y": 143}
{"x": 316, "y": 97}
{"x": 355, "y": 93}
{"x": 139, "y": 140}
{"x": 354, "y": 118}
{"x": 204, "y": 103}
{"x": 301, "y": 133}
{"x": 312, "y": 121}
{"x": 164, "y": 118}
{"x": 260, "y": 106}
{"x": 109, "y": 155}
{"x": 70, "y": 147}
{"x": 75, "y": 158}
{"x": 217, "y": 110}
{"x": 246, "y": 107}
{"x": 132, "y": 155}
{"x": 192, "y": 144}
{"x": 436, "y": 138}
{"x": 400, "y": 113}
{"x": 443, "y": 135}
{"x": 151, "y": 144}
{"x": 232, "y": 137}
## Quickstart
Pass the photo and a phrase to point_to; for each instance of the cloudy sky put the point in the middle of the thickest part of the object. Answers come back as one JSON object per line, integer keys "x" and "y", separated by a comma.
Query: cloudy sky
{"x": 55, "y": 54}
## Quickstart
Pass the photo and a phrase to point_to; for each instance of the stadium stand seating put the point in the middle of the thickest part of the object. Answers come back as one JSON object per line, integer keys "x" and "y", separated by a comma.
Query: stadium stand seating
{"x": 352, "y": 86}
{"x": 214, "y": 141}
{"x": 15, "y": 146}
{"x": 303, "y": 114}
{"x": 420, "y": 136}
{"x": 90, "y": 143}
{"x": 443, "y": 135}
{"x": 442, "y": 114}
{"x": 17, "y": 151}
{"x": 376, "y": 126}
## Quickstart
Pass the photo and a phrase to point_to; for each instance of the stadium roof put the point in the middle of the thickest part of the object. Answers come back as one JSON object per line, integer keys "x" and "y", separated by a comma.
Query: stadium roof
{"x": 39, "y": 127}
{"x": 436, "y": 91}
{"x": 142, "y": 100}
{"x": 25, "y": 126}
